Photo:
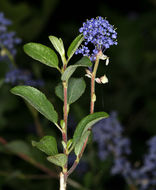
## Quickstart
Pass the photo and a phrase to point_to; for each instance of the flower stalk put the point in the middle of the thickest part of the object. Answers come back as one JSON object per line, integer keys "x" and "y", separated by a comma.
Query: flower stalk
{"x": 93, "y": 76}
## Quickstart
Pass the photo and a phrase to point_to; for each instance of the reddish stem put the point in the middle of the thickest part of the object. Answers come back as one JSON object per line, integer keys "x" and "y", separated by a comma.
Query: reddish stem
{"x": 64, "y": 135}
{"x": 79, "y": 157}
{"x": 92, "y": 94}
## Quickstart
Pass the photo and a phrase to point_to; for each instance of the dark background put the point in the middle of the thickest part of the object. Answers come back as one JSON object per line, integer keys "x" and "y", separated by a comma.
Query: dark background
{"x": 131, "y": 72}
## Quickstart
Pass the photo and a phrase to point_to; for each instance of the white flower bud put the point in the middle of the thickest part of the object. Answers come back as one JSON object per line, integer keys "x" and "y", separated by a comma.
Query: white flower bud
{"x": 107, "y": 61}
{"x": 104, "y": 79}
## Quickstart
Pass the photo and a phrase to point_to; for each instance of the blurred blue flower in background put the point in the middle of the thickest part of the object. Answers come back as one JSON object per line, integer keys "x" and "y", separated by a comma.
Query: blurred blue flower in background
{"x": 147, "y": 173}
{"x": 98, "y": 33}
{"x": 8, "y": 40}
{"x": 107, "y": 133}
{"x": 18, "y": 76}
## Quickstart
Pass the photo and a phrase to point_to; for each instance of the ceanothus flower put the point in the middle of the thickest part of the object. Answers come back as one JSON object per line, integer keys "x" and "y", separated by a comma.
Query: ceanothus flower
{"x": 107, "y": 133}
{"x": 8, "y": 40}
{"x": 147, "y": 177}
{"x": 18, "y": 76}
{"x": 99, "y": 35}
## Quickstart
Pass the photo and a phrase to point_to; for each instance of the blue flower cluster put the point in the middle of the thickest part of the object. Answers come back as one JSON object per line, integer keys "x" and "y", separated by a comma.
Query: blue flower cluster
{"x": 98, "y": 33}
{"x": 107, "y": 133}
{"x": 8, "y": 40}
{"x": 18, "y": 76}
{"x": 147, "y": 173}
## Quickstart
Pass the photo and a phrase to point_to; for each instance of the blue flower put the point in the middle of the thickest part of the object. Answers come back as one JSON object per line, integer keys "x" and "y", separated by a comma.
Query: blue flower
{"x": 99, "y": 35}
{"x": 107, "y": 133}
{"x": 8, "y": 40}
{"x": 19, "y": 76}
{"x": 147, "y": 178}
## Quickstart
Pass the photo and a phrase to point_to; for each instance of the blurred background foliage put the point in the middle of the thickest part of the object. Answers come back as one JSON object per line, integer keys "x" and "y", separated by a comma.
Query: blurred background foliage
{"x": 130, "y": 91}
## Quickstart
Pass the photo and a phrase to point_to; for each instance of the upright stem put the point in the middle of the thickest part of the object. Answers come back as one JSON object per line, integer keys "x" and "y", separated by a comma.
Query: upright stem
{"x": 38, "y": 127}
{"x": 92, "y": 102}
{"x": 132, "y": 187}
{"x": 63, "y": 183}
{"x": 63, "y": 174}
{"x": 93, "y": 96}
{"x": 65, "y": 112}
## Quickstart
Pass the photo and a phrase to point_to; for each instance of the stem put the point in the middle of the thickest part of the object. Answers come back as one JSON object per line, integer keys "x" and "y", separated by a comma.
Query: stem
{"x": 78, "y": 158}
{"x": 38, "y": 127}
{"x": 92, "y": 102}
{"x": 63, "y": 174}
{"x": 93, "y": 96}
{"x": 10, "y": 56}
{"x": 132, "y": 187}
{"x": 63, "y": 182}
{"x": 42, "y": 167}
{"x": 65, "y": 112}
{"x": 34, "y": 114}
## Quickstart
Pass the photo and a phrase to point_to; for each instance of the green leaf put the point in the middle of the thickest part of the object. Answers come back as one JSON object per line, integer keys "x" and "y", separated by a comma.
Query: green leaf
{"x": 58, "y": 159}
{"x": 47, "y": 144}
{"x": 74, "y": 45}
{"x": 19, "y": 147}
{"x": 80, "y": 143}
{"x": 69, "y": 143}
{"x": 86, "y": 123}
{"x": 83, "y": 62}
{"x": 58, "y": 45}
{"x": 42, "y": 53}
{"x": 38, "y": 100}
{"x": 76, "y": 87}
{"x": 1, "y": 82}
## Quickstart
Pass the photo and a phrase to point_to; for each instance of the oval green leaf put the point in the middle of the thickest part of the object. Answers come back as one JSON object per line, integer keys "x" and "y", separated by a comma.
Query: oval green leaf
{"x": 42, "y": 53}
{"x": 86, "y": 123}
{"x": 38, "y": 100}
{"x": 74, "y": 45}
{"x": 47, "y": 145}
{"x": 83, "y": 62}
{"x": 76, "y": 87}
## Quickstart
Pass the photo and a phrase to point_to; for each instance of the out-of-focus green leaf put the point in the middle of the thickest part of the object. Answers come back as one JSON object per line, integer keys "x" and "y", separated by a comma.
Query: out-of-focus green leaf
{"x": 19, "y": 147}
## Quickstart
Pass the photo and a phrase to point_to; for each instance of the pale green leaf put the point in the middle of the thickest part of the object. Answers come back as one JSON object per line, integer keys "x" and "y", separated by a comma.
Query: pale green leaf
{"x": 58, "y": 45}
{"x": 38, "y": 100}
{"x": 58, "y": 159}
{"x": 83, "y": 62}
{"x": 74, "y": 45}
